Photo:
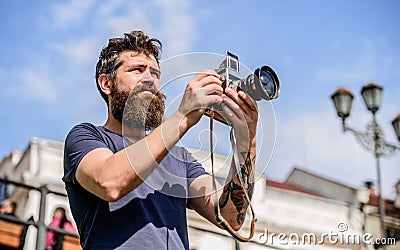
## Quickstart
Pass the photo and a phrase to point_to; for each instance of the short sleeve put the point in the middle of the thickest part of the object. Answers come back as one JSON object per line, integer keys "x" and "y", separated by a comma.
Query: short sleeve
{"x": 82, "y": 139}
{"x": 194, "y": 169}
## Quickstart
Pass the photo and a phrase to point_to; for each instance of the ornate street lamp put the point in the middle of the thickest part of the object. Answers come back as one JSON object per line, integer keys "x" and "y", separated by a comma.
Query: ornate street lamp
{"x": 372, "y": 139}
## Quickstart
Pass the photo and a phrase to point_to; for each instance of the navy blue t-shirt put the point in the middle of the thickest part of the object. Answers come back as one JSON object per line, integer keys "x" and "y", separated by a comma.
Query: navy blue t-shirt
{"x": 153, "y": 216}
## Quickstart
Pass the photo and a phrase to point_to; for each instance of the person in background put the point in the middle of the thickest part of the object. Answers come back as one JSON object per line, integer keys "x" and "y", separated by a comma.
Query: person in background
{"x": 54, "y": 240}
{"x": 8, "y": 207}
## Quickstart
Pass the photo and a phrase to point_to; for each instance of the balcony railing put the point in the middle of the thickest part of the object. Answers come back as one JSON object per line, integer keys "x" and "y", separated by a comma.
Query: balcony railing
{"x": 13, "y": 230}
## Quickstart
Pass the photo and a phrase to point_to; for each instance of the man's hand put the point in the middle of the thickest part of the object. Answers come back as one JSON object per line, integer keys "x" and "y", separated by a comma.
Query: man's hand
{"x": 240, "y": 110}
{"x": 204, "y": 89}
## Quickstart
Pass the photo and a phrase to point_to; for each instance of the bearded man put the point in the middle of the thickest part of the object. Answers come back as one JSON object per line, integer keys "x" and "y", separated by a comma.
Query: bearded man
{"x": 128, "y": 184}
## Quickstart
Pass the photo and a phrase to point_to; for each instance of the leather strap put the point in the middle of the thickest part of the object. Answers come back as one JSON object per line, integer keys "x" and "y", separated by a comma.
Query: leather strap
{"x": 219, "y": 218}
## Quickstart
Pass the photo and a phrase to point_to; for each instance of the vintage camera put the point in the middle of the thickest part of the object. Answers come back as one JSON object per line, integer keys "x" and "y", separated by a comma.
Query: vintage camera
{"x": 262, "y": 85}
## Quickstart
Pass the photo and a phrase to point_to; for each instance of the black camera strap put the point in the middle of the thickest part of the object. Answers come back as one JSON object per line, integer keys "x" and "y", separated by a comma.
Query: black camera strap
{"x": 219, "y": 218}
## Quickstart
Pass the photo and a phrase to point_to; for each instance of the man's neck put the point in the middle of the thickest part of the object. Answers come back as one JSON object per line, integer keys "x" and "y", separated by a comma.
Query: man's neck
{"x": 131, "y": 133}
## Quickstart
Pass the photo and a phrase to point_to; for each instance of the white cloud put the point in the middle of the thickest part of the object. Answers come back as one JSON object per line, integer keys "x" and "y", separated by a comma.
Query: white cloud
{"x": 80, "y": 52}
{"x": 171, "y": 21}
{"x": 70, "y": 12}
{"x": 37, "y": 85}
{"x": 373, "y": 61}
{"x": 134, "y": 18}
{"x": 178, "y": 25}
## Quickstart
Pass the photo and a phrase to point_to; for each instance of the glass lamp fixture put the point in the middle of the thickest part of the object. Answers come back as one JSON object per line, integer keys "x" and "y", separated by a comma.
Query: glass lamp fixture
{"x": 372, "y": 95}
{"x": 342, "y": 99}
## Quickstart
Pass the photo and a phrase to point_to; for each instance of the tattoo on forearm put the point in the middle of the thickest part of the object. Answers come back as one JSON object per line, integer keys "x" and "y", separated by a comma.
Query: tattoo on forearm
{"x": 235, "y": 188}
{"x": 225, "y": 195}
{"x": 241, "y": 217}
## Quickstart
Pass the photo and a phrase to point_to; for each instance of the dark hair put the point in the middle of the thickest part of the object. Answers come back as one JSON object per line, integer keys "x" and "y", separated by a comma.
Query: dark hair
{"x": 59, "y": 237}
{"x": 109, "y": 59}
{"x": 13, "y": 205}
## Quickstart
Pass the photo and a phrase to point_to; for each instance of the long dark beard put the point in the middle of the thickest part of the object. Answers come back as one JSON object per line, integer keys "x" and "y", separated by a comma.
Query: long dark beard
{"x": 136, "y": 109}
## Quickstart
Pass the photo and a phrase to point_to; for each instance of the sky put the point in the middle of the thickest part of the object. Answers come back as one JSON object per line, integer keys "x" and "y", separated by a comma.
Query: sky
{"x": 49, "y": 49}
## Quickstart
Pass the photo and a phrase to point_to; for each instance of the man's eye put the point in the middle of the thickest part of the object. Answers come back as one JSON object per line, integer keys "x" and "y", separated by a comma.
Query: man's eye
{"x": 136, "y": 69}
{"x": 155, "y": 73}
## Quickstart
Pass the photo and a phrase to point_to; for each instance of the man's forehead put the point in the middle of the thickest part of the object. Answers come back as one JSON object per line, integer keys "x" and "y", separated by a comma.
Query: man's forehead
{"x": 139, "y": 57}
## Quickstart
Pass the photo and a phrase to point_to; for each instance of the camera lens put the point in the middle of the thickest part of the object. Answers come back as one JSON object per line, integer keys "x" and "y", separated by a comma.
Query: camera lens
{"x": 266, "y": 83}
{"x": 263, "y": 84}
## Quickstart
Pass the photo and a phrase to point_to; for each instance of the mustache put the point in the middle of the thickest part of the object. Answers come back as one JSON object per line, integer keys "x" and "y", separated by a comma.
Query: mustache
{"x": 144, "y": 87}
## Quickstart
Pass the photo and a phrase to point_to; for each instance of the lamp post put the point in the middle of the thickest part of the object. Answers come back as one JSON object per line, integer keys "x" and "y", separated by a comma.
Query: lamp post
{"x": 372, "y": 139}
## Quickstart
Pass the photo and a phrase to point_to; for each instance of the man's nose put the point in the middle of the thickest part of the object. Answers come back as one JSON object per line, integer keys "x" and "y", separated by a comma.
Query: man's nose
{"x": 147, "y": 76}
{"x": 148, "y": 79}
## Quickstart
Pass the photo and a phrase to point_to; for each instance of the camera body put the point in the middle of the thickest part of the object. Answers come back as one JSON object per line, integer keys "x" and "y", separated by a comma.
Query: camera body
{"x": 229, "y": 71}
{"x": 262, "y": 85}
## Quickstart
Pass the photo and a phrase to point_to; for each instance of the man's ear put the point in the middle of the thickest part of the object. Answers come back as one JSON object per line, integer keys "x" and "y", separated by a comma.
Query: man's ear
{"x": 104, "y": 84}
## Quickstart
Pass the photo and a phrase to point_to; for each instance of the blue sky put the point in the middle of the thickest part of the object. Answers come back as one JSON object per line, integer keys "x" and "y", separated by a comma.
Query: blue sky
{"x": 49, "y": 50}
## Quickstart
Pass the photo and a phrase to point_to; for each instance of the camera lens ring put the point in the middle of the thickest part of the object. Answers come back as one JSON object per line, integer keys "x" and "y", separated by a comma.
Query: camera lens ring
{"x": 260, "y": 86}
{"x": 248, "y": 85}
